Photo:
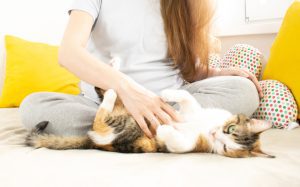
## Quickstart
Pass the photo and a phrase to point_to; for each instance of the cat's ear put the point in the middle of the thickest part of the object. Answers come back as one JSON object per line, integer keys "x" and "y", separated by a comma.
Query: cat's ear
{"x": 259, "y": 153}
{"x": 259, "y": 126}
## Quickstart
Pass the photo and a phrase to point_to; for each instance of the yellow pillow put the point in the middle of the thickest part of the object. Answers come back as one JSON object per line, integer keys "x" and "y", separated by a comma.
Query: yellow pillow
{"x": 33, "y": 67}
{"x": 284, "y": 62}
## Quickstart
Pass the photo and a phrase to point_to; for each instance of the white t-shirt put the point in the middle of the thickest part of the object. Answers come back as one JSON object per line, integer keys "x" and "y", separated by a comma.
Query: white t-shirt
{"x": 132, "y": 30}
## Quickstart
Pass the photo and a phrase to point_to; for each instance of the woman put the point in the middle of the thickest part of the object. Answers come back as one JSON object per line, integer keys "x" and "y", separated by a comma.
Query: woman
{"x": 162, "y": 44}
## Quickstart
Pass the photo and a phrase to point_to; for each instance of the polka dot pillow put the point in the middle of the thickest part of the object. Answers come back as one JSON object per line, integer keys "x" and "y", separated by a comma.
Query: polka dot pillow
{"x": 277, "y": 106}
{"x": 215, "y": 61}
{"x": 243, "y": 56}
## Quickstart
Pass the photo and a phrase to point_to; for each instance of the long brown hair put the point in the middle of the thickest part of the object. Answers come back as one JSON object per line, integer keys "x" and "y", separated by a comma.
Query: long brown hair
{"x": 187, "y": 25}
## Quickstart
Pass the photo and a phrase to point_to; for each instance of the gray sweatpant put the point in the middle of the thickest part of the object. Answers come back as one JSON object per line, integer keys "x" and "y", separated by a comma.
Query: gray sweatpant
{"x": 74, "y": 115}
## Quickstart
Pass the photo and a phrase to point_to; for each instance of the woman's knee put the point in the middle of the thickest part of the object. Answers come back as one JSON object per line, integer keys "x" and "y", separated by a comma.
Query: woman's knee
{"x": 31, "y": 107}
{"x": 233, "y": 93}
{"x": 33, "y": 99}
{"x": 67, "y": 114}
{"x": 248, "y": 94}
{"x": 246, "y": 86}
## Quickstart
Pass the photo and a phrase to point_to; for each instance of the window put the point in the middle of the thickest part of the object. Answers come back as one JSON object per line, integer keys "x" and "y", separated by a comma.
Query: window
{"x": 263, "y": 10}
{"x": 244, "y": 17}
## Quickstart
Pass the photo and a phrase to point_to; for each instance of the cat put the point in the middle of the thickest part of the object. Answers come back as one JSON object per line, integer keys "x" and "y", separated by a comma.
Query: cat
{"x": 205, "y": 130}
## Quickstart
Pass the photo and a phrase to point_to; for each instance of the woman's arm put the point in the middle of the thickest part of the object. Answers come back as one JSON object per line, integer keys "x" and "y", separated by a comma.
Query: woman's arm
{"x": 140, "y": 102}
{"x": 74, "y": 56}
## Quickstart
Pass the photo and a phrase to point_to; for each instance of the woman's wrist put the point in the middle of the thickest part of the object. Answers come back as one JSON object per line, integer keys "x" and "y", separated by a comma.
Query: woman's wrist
{"x": 121, "y": 84}
{"x": 124, "y": 84}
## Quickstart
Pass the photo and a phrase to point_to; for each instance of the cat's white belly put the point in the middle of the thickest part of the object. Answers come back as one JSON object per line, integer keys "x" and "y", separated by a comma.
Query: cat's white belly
{"x": 197, "y": 121}
{"x": 184, "y": 138}
{"x": 204, "y": 121}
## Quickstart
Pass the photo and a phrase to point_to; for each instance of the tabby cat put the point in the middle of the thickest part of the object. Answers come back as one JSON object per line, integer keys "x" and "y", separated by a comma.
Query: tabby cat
{"x": 205, "y": 130}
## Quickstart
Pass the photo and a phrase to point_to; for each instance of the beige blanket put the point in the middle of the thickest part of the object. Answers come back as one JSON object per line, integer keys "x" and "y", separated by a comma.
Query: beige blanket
{"x": 24, "y": 166}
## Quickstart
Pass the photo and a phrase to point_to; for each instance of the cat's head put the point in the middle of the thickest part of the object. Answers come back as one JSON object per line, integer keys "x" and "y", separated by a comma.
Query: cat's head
{"x": 239, "y": 137}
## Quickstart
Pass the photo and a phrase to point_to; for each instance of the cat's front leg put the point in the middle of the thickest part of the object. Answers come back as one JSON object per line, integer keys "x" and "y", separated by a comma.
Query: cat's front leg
{"x": 188, "y": 104}
{"x": 109, "y": 100}
{"x": 172, "y": 95}
{"x": 175, "y": 141}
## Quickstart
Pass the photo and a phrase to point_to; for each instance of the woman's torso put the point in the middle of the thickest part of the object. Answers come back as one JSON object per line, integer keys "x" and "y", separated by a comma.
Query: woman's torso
{"x": 133, "y": 30}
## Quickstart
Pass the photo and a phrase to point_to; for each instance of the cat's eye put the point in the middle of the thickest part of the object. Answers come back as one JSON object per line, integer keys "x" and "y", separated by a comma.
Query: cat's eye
{"x": 231, "y": 129}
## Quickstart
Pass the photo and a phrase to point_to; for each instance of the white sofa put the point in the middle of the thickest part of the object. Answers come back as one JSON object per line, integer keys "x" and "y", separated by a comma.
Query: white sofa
{"x": 25, "y": 166}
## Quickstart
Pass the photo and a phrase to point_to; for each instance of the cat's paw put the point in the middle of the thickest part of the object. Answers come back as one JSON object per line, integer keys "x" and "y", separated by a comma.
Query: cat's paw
{"x": 173, "y": 139}
{"x": 109, "y": 100}
{"x": 110, "y": 95}
{"x": 164, "y": 132}
{"x": 170, "y": 95}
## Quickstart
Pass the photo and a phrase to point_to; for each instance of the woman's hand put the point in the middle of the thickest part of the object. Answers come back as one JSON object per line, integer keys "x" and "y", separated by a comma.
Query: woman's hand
{"x": 237, "y": 72}
{"x": 142, "y": 104}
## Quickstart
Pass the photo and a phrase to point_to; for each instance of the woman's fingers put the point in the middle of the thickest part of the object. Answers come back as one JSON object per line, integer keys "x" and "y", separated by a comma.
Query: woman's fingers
{"x": 145, "y": 106}
{"x": 171, "y": 112}
{"x": 238, "y": 72}
{"x": 143, "y": 125}
{"x": 163, "y": 116}
{"x": 154, "y": 123}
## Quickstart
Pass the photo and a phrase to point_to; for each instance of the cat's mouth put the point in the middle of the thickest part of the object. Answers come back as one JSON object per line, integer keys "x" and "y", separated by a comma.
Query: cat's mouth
{"x": 219, "y": 140}
{"x": 216, "y": 142}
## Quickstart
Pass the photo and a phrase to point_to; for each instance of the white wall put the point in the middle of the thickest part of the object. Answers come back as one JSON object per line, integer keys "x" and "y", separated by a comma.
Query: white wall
{"x": 262, "y": 10}
{"x": 230, "y": 18}
{"x": 231, "y": 27}
{"x": 261, "y": 41}
{"x": 37, "y": 20}
{"x": 45, "y": 20}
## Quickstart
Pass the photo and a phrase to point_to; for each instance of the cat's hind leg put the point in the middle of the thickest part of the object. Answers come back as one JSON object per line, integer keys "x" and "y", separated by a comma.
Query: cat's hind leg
{"x": 176, "y": 141}
{"x": 102, "y": 134}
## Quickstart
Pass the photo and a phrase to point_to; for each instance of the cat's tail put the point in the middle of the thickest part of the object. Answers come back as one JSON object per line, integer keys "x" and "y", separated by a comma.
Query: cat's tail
{"x": 38, "y": 139}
